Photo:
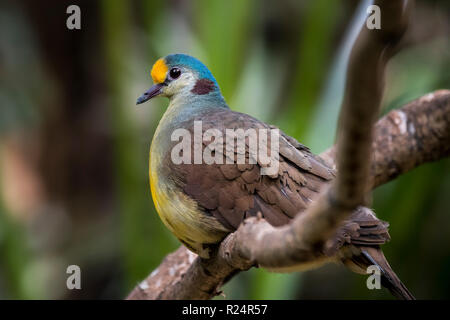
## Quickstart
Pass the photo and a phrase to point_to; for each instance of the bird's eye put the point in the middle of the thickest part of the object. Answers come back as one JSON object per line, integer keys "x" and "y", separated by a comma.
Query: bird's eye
{"x": 174, "y": 73}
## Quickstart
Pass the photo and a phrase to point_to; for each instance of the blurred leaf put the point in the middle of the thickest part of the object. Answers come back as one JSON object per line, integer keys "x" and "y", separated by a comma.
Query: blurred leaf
{"x": 144, "y": 245}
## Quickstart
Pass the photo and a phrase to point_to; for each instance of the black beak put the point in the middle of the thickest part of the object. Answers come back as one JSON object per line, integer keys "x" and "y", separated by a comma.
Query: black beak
{"x": 150, "y": 93}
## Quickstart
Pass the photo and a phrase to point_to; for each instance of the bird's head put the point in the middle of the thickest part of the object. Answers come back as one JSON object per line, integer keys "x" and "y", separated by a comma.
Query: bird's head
{"x": 180, "y": 75}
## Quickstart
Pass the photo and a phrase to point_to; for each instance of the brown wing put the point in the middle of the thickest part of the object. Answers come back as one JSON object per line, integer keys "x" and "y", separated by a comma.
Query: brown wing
{"x": 232, "y": 192}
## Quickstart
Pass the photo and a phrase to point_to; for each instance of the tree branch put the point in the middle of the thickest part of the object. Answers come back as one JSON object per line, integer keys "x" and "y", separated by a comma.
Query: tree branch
{"x": 182, "y": 276}
{"x": 408, "y": 137}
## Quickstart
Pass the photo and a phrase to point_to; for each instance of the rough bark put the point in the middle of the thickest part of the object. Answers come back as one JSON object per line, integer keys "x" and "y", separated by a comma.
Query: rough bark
{"x": 405, "y": 138}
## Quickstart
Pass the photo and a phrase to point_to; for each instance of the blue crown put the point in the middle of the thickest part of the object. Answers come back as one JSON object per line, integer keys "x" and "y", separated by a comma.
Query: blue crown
{"x": 179, "y": 59}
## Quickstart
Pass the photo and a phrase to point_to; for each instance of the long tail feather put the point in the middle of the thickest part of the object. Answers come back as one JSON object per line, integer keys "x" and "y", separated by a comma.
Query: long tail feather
{"x": 389, "y": 280}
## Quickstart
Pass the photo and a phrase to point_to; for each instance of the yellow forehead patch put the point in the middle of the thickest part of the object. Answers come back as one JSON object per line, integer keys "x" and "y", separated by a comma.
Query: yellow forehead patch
{"x": 159, "y": 71}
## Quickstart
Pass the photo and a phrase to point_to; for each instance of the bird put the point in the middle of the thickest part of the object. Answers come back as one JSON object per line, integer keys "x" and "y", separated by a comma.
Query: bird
{"x": 202, "y": 202}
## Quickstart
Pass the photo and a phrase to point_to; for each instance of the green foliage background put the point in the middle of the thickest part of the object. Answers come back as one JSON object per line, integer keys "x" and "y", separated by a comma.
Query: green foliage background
{"x": 71, "y": 96}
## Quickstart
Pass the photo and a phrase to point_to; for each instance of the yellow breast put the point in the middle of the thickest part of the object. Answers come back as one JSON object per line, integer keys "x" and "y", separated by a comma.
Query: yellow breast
{"x": 179, "y": 212}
